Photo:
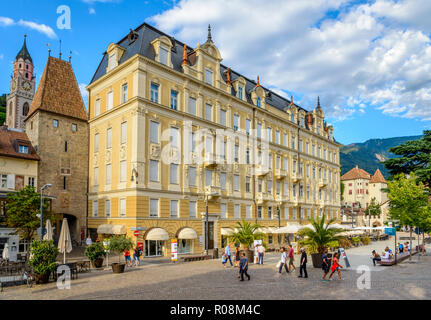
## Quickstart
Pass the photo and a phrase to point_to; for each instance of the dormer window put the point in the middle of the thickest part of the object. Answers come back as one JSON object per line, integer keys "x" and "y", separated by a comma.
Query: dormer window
{"x": 209, "y": 76}
{"x": 292, "y": 117}
{"x": 302, "y": 122}
{"x": 318, "y": 129}
{"x": 240, "y": 92}
{"x": 23, "y": 149}
{"x": 258, "y": 102}
{"x": 112, "y": 61}
{"x": 164, "y": 55}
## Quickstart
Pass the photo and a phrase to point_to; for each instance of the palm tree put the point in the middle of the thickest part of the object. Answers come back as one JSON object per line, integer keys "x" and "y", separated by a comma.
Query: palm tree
{"x": 318, "y": 237}
{"x": 245, "y": 234}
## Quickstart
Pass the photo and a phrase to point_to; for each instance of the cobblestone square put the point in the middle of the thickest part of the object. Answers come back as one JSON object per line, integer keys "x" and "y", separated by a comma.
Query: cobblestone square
{"x": 209, "y": 280}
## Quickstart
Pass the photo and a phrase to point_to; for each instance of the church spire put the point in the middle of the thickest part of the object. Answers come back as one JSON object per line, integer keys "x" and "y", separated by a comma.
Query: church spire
{"x": 209, "y": 34}
{"x": 23, "y": 53}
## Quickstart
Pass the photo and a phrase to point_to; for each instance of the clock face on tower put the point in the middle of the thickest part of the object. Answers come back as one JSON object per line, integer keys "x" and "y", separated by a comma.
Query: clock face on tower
{"x": 26, "y": 86}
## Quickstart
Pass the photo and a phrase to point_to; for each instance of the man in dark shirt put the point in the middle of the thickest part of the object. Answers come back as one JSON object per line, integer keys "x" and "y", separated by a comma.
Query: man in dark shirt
{"x": 243, "y": 267}
{"x": 303, "y": 264}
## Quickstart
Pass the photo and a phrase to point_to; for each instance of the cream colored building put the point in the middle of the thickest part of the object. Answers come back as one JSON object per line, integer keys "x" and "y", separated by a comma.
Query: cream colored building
{"x": 171, "y": 127}
{"x": 359, "y": 188}
{"x": 18, "y": 168}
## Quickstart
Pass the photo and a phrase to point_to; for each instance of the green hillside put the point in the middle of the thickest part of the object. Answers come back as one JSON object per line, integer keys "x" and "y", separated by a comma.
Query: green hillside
{"x": 367, "y": 155}
{"x": 2, "y": 109}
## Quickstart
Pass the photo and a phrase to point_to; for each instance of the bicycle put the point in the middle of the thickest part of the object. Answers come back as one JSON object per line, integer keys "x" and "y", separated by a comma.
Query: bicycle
{"x": 28, "y": 278}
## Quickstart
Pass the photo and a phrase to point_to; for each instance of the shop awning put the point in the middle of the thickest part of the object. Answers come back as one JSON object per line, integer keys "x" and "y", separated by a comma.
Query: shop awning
{"x": 226, "y": 231}
{"x": 187, "y": 233}
{"x": 111, "y": 229}
{"x": 157, "y": 234}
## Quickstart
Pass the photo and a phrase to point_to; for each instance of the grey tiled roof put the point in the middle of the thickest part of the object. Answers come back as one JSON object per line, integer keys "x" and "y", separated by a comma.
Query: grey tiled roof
{"x": 142, "y": 45}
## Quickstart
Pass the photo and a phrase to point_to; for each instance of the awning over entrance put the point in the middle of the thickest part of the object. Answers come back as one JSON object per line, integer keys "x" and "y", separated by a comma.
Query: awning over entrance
{"x": 187, "y": 233}
{"x": 157, "y": 234}
{"x": 111, "y": 229}
{"x": 226, "y": 231}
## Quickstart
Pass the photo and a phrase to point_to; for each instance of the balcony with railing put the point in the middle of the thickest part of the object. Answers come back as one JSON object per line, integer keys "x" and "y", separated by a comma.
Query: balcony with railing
{"x": 262, "y": 197}
{"x": 261, "y": 170}
{"x": 212, "y": 192}
{"x": 323, "y": 182}
{"x": 296, "y": 176}
{"x": 210, "y": 160}
{"x": 280, "y": 174}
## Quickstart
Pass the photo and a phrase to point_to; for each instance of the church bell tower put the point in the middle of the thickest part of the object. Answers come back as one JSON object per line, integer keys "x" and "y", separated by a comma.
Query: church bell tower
{"x": 22, "y": 89}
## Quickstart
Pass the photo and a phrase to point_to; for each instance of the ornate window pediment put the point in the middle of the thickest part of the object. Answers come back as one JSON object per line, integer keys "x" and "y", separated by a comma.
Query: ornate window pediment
{"x": 115, "y": 52}
{"x": 163, "y": 47}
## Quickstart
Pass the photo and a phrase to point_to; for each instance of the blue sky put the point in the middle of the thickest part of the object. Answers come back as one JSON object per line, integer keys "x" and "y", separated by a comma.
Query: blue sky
{"x": 370, "y": 62}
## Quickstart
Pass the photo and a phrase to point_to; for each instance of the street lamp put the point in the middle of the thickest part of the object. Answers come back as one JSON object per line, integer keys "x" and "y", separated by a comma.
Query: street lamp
{"x": 41, "y": 208}
{"x": 279, "y": 222}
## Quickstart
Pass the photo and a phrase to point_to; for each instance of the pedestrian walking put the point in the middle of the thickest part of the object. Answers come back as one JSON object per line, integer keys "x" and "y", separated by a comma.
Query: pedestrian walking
{"x": 256, "y": 254}
{"x": 325, "y": 265}
{"x": 137, "y": 256}
{"x": 88, "y": 242}
{"x": 261, "y": 251}
{"x": 291, "y": 256}
{"x": 227, "y": 253}
{"x": 237, "y": 256}
{"x": 127, "y": 257}
{"x": 243, "y": 267}
{"x": 335, "y": 266}
{"x": 223, "y": 260}
{"x": 283, "y": 261}
{"x": 303, "y": 264}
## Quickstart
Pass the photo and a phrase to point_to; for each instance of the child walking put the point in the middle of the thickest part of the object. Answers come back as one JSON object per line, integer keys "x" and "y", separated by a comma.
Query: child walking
{"x": 335, "y": 266}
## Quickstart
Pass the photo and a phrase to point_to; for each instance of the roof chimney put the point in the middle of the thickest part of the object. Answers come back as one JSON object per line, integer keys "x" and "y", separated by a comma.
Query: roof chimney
{"x": 184, "y": 56}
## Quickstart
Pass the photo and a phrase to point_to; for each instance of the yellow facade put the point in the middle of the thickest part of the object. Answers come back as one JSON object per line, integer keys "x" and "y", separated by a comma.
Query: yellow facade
{"x": 134, "y": 185}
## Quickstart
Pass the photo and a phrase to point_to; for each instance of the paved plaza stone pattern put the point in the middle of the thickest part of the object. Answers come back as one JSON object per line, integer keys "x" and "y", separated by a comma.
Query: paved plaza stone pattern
{"x": 209, "y": 280}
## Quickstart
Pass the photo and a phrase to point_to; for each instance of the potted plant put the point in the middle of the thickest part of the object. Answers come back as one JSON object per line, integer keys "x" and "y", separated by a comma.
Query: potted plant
{"x": 356, "y": 241}
{"x": 119, "y": 244}
{"x": 95, "y": 252}
{"x": 43, "y": 259}
{"x": 318, "y": 238}
{"x": 365, "y": 240}
{"x": 245, "y": 234}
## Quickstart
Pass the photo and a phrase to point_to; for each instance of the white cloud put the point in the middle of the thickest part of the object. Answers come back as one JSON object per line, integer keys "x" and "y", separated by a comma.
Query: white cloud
{"x": 5, "y": 21}
{"x": 376, "y": 54}
{"x": 1, "y": 56}
{"x": 42, "y": 28}
{"x": 91, "y": 11}
{"x": 84, "y": 92}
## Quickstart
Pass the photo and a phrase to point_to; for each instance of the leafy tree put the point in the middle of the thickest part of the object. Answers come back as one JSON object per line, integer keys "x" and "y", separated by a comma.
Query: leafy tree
{"x": 342, "y": 190}
{"x": 246, "y": 234}
{"x": 43, "y": 256}
{"x": 22, "y": 209}
{"x": 2, "y": 109}
{"x": 120, "y": 243}
{"x": 319, "y": 238}
{"x": 373, "y": 210}
{"x": 408, "y": 198}
{"x": 414, "y": 156}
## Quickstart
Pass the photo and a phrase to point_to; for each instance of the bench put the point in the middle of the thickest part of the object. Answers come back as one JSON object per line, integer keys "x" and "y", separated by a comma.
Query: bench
{"x": 73, "y": 271}
{"x": 391, "y": 262}
{"x": 196, "y": 258}
{"x": 83, "y": 266}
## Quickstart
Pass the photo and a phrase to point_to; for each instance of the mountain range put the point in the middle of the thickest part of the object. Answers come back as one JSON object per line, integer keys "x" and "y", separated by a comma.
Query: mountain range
{"x": 369, "y": 154}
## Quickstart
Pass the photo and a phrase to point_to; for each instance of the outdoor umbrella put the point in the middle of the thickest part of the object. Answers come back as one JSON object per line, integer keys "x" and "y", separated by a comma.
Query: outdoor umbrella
{"x": 5, "y": 254}
{"x": 65, "y": 241}
{"x": 290, "y": 228}
{"x": 340, "y": 226}
{"x": 48, "y": 234}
